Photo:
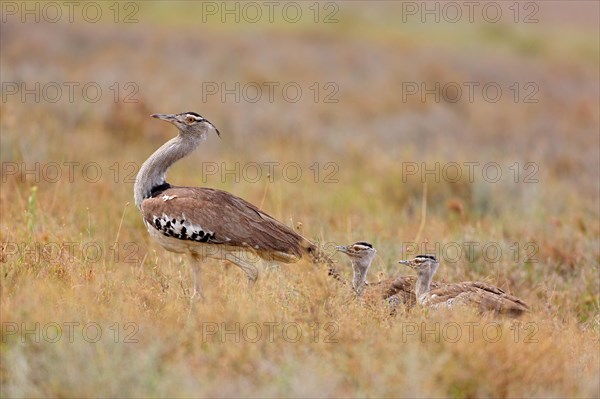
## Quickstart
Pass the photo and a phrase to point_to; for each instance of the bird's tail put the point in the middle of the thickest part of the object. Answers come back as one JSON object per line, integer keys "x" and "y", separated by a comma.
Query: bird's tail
{"x": 319, "y": 257}
{"x": 299, "y": 247}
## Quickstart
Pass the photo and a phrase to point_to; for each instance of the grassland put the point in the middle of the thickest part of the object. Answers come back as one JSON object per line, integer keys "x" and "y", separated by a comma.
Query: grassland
{"x": 91, "y": 307}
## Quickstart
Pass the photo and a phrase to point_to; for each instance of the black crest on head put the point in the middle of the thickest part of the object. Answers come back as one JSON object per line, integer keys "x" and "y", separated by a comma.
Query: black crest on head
{"x": 364, "y": 243}
{"x": 194, "y": 113}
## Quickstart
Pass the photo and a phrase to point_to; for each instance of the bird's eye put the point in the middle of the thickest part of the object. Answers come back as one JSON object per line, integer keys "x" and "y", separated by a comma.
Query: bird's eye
{"x": 190, "y": 119}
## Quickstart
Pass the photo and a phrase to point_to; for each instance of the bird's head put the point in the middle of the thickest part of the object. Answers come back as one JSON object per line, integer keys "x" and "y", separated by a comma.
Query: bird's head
{"x": 359, "y": 251}
{"x": 422, "y": 263}
{"x": 189, "y": 123}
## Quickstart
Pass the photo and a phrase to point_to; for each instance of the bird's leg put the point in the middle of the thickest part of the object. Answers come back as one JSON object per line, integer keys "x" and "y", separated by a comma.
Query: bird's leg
{"x": 197, "y": 286}
{"x": 196, "y": 267}
{"x": 247, "y": 266}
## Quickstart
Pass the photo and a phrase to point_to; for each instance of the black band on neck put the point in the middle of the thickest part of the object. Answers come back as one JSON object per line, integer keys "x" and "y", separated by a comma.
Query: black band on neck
{"x": 156, "y": 190}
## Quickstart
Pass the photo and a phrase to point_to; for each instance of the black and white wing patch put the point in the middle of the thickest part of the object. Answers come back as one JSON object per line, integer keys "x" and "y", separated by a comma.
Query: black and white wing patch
{"x": 182, "y": 229}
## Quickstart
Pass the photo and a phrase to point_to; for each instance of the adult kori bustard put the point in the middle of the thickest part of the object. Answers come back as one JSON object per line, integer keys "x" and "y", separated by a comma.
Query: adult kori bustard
{"x": 205, "y": 222}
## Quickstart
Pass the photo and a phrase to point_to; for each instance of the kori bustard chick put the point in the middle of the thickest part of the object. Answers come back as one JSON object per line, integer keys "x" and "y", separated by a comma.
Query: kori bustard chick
{"x": 361, "y": 254}
{"x": 479, "y": 295}
{"x": 395, "y": 290}
{"x": 205, "y": 222}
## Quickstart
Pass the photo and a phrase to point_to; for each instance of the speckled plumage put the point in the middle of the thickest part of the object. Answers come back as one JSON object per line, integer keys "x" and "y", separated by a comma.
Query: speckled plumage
{"x": 476, "y": 294}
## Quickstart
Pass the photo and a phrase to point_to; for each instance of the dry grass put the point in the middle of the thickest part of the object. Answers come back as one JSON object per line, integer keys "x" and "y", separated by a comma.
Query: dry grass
{"x": 136, "y": 294}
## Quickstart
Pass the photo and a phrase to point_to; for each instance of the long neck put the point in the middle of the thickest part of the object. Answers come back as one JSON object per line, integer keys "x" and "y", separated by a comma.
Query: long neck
{"x": 423, "y": 286}
{"x": 153, "y": 171}
{"x": 360, "y": 268}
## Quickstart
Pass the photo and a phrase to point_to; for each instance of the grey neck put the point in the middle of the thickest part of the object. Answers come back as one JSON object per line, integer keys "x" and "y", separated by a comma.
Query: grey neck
{"x": 360, "y": 268}
{"x": 153, "y": 171}
{"x": 424, "y": 277}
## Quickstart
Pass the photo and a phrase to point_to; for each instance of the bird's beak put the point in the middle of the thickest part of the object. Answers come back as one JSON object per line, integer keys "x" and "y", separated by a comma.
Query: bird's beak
{"x": 407, "y": 263}
{"x": 342, "y": 248}
{"x": 164, "y": 117}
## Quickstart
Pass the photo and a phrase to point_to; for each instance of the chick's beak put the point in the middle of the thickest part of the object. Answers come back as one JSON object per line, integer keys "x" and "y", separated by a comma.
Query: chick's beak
{"x": 164, "y": 117}
{"x": 342, "y": 248}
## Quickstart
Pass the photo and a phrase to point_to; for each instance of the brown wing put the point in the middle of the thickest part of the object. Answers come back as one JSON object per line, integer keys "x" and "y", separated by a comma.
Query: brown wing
{"x": 403, "y": 287}
{"x": 494, "y": 298}
{"x": 217, "y": 217}
{"x": 483, "y": 296}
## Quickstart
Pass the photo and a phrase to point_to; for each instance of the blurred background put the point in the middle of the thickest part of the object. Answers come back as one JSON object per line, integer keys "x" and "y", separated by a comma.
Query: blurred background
{"x": 406, "y": 124}
{"x": 499, "y": 102}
